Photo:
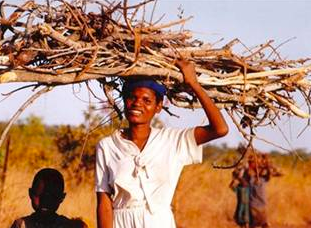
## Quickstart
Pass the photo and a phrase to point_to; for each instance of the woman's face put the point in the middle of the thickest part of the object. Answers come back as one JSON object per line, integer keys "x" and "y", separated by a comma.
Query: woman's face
{"x": 141, "y": 105}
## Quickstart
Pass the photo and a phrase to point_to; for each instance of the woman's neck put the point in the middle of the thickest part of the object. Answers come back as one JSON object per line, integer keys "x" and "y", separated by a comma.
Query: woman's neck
{"x": 138, "y": 134}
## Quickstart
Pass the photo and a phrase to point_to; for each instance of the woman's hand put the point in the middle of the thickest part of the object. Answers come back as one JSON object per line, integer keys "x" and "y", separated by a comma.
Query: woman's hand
{"x": 188, "y": 70}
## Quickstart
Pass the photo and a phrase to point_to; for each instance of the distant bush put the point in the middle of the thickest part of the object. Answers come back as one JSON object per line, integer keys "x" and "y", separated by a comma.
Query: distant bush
{"x": 72, "y": 148}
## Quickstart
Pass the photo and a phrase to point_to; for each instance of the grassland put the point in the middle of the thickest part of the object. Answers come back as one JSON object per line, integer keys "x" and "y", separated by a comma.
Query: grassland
{"x": 202, "y": 199}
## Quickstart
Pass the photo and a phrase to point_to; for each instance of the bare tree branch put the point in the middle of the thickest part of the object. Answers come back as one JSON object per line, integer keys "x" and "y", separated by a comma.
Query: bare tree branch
{"x": 20, "y": 110}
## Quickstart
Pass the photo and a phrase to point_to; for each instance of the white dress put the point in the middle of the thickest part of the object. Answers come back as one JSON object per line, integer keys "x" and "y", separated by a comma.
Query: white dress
{"x": 142, "y": 183}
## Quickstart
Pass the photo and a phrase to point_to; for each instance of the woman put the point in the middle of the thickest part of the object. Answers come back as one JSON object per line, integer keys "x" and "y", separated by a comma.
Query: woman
{"x": 137, "y": 168}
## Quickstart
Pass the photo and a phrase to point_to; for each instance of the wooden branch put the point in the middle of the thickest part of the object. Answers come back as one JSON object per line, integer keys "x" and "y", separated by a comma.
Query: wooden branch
{"x": 108, "y": 90}
{"x": 67, "y": 45}
{"x": 288, "y": 104}
{"x": 150, "y": 38}
{"x": 47, "y": 30}
{"x": 288, "y": 71}
{"x": 20, "y": 110}
{"x": 159, "y": 27}
{"x": 69, "y": 78}
{"x": 4, "y": 170}
{"x": 237, "y": 162}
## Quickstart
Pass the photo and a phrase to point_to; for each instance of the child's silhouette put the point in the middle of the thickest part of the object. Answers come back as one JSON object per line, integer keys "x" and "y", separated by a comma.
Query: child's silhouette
{"x": 46, "y": 194}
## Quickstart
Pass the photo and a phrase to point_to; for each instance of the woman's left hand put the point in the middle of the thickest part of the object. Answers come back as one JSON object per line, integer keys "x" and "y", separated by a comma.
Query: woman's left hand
{"x": 188, "y": 70}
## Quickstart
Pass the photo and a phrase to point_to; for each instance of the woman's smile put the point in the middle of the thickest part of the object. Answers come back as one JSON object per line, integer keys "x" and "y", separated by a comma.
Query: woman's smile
{"x": 135, "y": 112}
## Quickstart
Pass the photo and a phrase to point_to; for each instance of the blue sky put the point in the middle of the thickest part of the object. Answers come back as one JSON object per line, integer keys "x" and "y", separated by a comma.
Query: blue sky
{"x": 253, "y": 22}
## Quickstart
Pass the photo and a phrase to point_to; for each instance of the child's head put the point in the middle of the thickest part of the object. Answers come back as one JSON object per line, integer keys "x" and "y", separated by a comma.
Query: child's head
{"x": 47, "y": 190}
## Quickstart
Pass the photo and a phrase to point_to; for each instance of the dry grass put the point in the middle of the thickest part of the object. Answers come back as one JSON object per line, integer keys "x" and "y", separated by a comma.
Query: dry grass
{"x": 203, "y": 198}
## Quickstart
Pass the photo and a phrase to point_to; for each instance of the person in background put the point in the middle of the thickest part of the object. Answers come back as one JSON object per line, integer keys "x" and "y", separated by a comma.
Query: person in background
{"x": 137, "y": 168}
{"x": 260, "y": 172}
{"x": 46, "y": 194}
{"x": 240, "y": 185}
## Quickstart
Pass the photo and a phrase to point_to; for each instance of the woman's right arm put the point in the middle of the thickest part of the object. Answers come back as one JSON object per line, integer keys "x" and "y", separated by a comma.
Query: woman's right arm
{"x": 104, "y": 211}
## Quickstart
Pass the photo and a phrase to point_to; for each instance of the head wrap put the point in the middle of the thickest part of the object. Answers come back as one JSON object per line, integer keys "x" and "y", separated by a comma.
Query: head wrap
{"x": 131, "y": 84}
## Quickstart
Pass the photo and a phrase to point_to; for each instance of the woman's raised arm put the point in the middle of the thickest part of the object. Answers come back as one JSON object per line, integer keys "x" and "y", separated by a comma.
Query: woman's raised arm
{"x": 217, "y": 126}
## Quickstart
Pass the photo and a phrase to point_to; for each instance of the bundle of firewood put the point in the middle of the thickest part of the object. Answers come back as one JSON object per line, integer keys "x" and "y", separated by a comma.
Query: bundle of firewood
{"x": 61, "y": 43}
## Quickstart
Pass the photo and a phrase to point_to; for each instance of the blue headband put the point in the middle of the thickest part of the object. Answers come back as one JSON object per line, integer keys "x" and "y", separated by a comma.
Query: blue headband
{"x": 130, "y": 85}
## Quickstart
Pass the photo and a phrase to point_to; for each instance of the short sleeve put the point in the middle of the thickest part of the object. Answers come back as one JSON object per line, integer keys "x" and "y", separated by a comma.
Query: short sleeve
{"x": 101, "y": 171}
{"x": 188, "y": 150}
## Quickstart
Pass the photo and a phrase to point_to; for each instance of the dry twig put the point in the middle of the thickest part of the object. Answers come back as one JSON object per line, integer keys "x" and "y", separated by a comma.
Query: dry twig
{"x": 63, "y": 44}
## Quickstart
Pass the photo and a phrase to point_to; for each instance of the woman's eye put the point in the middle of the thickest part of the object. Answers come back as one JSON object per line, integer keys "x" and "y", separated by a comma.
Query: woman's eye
{"x": 147, "y": 101}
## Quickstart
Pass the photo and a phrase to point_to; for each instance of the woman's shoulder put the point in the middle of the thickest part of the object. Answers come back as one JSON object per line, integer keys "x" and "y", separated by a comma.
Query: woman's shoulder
{"x": 111, "y": 144}
{"x": 108, "y": 138}
{"x": 171, "y": 131}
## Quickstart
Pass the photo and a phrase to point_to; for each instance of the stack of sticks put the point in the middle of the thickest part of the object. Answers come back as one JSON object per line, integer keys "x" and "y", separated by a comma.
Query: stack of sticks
{"x": 65, "y": 43}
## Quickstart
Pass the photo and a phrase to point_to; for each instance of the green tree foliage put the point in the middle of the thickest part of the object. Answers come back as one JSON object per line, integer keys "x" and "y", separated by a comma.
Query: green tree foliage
{"x": 34, "y": 144}
{"x": 31, "y": 143}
